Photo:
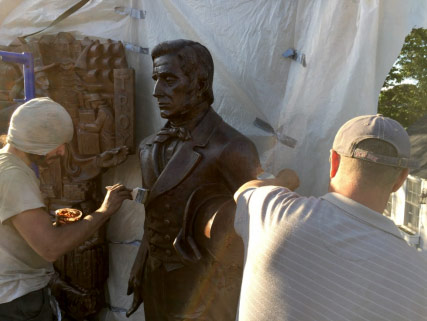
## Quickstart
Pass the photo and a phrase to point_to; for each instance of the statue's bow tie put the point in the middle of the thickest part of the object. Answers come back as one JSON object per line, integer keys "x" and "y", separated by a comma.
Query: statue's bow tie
{"x": 166, "y": 133}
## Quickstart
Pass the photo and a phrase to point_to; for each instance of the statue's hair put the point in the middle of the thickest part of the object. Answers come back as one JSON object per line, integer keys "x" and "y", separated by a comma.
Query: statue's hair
{"x": 195, "y": 59}
{"x": 372, "y": 173}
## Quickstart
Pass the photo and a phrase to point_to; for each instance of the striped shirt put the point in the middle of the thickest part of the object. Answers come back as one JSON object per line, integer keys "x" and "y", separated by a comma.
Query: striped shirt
{"x": 327, "y": 258}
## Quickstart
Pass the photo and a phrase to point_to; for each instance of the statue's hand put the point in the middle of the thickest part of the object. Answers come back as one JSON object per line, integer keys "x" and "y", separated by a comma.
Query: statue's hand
{"x": 136, "y": 278}
{"x": 113, "y": 157}
{"x": 135, "y": 287}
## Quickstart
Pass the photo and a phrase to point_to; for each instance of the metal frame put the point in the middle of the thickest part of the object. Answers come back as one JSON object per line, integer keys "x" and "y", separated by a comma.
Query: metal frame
{"x": 27, "y": 60}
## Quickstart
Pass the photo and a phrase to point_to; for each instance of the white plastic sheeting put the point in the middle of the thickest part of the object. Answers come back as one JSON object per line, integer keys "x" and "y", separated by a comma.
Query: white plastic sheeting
{"x": 350, "y": 45}
{"x": 124, "y": 232}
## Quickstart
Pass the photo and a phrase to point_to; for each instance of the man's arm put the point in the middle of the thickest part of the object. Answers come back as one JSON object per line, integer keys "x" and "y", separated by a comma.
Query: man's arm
{"x": 52, "y": 242}
{"x": 286, "y": 178}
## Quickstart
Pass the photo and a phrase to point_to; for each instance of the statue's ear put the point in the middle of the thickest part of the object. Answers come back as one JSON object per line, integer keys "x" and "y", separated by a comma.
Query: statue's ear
{"x": 202, "y": 86}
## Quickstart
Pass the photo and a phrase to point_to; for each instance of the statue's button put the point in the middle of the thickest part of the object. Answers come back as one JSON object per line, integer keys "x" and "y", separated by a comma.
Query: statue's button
{"x": 167, "y": 237}
{"x": 167, "y": 206}
{"x": 168, "y": 252}
{"x": 167, "y": 222}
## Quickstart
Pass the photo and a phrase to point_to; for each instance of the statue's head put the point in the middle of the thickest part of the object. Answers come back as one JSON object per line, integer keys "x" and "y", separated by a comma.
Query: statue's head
{"x": 41, "y": 76}
{"x": 41, "y": 80}
{"x": 183, "y": 72}
{"x": 94, "y": 100}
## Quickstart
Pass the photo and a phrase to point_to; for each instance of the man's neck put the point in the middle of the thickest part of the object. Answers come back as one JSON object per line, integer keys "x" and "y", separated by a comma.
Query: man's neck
{"x": 374, "y": 199}
{"x": 8, "y": 148}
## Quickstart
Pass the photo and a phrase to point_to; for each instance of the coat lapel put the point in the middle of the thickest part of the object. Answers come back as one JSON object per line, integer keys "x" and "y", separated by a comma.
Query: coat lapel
{"x": 186, "y": 158}
{"x": 149, "y": 155}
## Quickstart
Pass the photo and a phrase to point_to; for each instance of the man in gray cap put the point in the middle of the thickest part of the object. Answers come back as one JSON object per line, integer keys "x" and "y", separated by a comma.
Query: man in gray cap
{"x": 29, "y": 243}
{"x": 335, "y": 257}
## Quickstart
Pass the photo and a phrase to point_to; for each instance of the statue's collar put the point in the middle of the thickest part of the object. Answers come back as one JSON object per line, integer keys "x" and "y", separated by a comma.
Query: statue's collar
{"x": 190, "y": 124}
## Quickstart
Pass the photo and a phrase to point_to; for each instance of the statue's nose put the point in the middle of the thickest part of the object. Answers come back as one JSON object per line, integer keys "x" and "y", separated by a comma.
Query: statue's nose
{"x": 157, "y": 91}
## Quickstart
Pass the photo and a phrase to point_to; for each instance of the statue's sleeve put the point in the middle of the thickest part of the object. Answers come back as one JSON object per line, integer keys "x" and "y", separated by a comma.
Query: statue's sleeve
{"x": 211, "y": 209}
{"x": 209, "y": 213}
{"x": 208, "y": 224}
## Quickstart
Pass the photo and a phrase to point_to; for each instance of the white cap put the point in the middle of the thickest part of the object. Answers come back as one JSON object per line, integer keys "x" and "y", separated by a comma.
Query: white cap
{"x": 378, "y": 127}
{"x": 39, "y": 126}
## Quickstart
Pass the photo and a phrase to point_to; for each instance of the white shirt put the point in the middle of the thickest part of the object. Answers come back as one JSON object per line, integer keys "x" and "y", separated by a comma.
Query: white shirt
{"x": 328, "y": 258}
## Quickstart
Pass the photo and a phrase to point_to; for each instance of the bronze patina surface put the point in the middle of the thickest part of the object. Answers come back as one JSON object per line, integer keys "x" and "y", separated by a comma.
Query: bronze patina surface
{"x": 189, "y": 265}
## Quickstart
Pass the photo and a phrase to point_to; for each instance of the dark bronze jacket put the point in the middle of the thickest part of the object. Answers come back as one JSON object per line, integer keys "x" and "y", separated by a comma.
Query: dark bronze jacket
{"x": 189, "y": 244}
{"x": 217, "y": 155}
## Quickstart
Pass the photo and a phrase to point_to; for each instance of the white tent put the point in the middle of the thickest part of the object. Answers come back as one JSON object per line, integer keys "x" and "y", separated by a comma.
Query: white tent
{"x": 349, "y": 47}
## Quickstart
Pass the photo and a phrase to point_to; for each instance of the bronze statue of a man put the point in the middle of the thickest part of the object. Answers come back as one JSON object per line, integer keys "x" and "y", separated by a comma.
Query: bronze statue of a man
{"x": 189, "y": 263}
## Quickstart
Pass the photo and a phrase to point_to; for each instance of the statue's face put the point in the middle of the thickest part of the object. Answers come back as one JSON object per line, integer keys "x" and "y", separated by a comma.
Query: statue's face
{"x": 67, "y": 65}
{"x": 96, "y": 103}
{"x": 173, "y": 89}
{"x": 42, "y": 81}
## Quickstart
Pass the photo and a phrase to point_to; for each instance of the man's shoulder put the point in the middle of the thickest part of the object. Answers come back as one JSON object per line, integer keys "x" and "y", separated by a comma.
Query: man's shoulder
{"x": 282, "y": 196}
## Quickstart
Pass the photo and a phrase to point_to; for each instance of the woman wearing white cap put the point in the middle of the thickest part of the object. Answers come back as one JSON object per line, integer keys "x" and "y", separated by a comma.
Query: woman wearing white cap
{"x": 28, "y": 242}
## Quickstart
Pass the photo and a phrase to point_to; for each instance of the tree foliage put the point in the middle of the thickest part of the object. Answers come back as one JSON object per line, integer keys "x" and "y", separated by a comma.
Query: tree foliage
{"x": 404, "y": 93}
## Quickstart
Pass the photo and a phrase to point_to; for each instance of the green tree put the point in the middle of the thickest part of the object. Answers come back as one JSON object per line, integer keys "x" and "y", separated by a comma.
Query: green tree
{"x": 404, "y": 93}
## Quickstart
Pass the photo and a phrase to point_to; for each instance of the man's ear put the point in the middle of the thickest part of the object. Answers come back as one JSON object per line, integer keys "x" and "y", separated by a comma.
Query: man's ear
{"x": 334, "y": 160}
{"x": 401, "y": 179}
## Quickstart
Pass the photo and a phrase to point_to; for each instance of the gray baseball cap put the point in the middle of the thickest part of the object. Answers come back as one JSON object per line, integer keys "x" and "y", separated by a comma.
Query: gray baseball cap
{"x": 378, "y": 127}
